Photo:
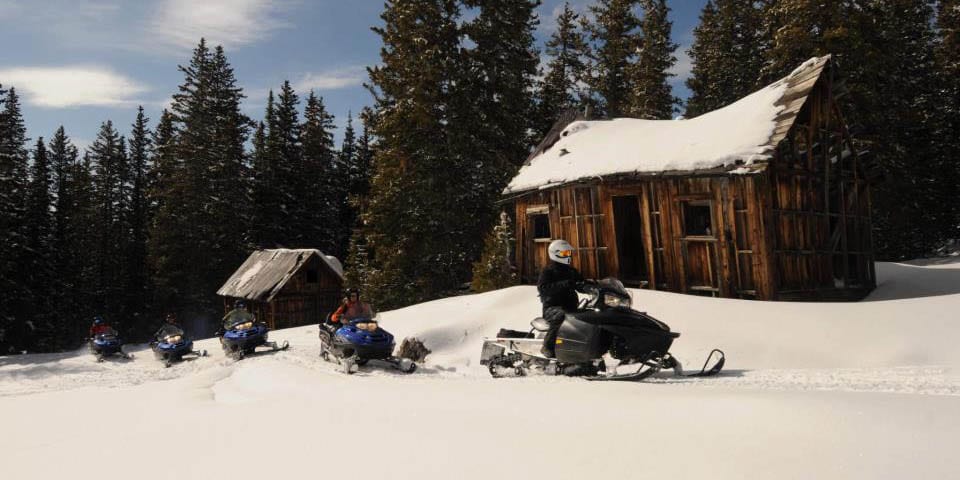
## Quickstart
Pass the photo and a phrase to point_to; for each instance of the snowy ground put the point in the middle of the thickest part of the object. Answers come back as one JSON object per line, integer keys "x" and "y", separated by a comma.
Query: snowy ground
{"x": 863, "y": 390}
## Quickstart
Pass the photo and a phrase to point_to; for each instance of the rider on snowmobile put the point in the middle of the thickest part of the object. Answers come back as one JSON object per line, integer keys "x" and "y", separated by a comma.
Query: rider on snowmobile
{"x": 352, "y": 308}
{"x": 558, "y": 286}
{"x": 99, "y": 326}
{"x": 169, "y": 323}
{"x": 238, "y": 314}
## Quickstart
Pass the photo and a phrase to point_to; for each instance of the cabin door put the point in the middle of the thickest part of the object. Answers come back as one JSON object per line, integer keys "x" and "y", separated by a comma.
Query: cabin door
{"x": 628, "y": 228}
{"x": 700, "y": 248}
{"x": 538, "y": 239}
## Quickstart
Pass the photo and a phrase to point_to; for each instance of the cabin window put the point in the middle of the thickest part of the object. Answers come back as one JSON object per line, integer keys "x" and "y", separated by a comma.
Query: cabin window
{"x": 697, "y": 220}
{"x": 312, "y": 276}
{"x": 541, "y": 227}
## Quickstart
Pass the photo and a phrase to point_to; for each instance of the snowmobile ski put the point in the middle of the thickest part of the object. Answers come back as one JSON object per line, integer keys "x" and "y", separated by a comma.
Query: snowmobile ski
{"x": 713, "y": 370}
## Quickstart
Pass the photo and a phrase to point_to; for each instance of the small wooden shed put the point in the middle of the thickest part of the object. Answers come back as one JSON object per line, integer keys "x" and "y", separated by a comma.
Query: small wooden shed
{"x": 766, "y": 198}
{"x": 286, "y": 288}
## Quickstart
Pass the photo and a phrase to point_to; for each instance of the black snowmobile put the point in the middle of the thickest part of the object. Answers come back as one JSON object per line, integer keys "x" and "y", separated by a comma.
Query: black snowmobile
{"x": 604, "y": 324}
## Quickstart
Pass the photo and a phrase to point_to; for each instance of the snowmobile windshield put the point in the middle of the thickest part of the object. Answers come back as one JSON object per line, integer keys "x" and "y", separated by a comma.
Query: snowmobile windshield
{"x": 613, "y": 293}
{"x": 613, "y": 285}
{"x": 168, "y": 330}
{"x": 110, "y": 333}
{"x": 241, "y": 324}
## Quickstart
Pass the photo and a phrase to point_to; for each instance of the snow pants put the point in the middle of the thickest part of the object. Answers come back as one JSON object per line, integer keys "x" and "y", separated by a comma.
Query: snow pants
{"x": 554, "y": 317}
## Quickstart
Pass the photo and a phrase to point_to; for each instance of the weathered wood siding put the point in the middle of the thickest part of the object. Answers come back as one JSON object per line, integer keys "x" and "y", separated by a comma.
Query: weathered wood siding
{"x": 821, "y": 207}
{"x": 797, "y": 226}
{"x": 717, "y": 259}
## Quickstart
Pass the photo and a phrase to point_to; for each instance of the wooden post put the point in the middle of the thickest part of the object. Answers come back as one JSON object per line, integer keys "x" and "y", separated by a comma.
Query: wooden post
{"x": 648, "y": 235}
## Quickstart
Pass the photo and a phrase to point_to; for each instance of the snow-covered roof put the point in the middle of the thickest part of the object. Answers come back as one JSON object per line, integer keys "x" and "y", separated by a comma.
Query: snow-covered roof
{"x": 738, "y": 138}
{"x": 265, "y": 272}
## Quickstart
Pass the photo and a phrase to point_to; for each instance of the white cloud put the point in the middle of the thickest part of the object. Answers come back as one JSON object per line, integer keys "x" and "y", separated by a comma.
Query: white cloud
{"x": 231, "y": 23}
{"x": 72, "y": 86}
{"x": 332, "y": 80}
{"x": 548, "y": 23}
{"x": 335, "y": 79}
{"x": 684, "y": 65}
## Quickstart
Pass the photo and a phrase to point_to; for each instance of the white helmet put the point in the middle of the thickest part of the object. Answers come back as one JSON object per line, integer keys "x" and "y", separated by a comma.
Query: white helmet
{"x": 561, "y": 251}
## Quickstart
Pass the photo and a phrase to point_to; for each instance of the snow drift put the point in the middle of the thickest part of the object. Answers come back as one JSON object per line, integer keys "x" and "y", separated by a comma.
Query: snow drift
{"x": 854, "y": 390}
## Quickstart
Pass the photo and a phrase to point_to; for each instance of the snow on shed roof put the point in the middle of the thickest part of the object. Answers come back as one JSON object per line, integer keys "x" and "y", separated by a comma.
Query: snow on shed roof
{"x": 744, "y": 133}
{"x": 265, "y": 272}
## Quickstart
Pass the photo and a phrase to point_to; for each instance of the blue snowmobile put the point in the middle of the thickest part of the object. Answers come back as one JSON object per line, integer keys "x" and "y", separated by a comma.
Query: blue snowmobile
{"x": 354, "y": 344}
{"x": 107, "y": 344}
{"x": 242, "y": 335}
{"x": 171, "y": 344}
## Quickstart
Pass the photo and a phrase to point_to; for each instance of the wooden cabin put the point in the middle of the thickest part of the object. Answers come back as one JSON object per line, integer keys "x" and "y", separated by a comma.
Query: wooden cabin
{"x": 286, "y": 288}
{"x": 766, "y": 198}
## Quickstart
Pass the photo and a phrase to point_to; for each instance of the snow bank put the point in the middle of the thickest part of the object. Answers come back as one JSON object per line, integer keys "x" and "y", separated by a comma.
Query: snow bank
{"x": 830, "y": 391}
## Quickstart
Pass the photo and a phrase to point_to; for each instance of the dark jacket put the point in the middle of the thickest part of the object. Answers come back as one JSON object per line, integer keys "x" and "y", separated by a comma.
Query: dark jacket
{"x": 558, "y": 286}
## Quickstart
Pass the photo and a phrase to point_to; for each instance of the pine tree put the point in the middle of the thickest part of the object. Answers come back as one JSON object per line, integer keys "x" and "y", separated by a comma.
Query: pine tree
{"x": 65, "y": 242}
{"x": 363, "y": 171}
{"x": 14, "y": 329}
{"x": 228, "y": 200}
{"x": 727, "y": 55}
{"x": 504, "y": 60}
{"x": 137, "y": 280}
{"x": 108, "y": 155}
{"x": 209, "y": 191}
{"x": 266, "y": 184}
{"x": 324, "y": 192}
{"x": 948, "y": 72}
{"x": 169, "y": 229}
{"x": 894, "y": 110}
{"x": 82, "y": 238}
{"x": 491, "y": 115}
{"x": 560, "y": 89}
{"x": 358, "y": 256}
{"x": 494, "y": 269}
{"x": 418, "y": 246}
{"x": 652, "y": 97}
{"x": 915, "y": 202}
{"x": 283, "y": 143}
{"x": 615, "y": 36}
{"x": 40, "y": 260}
{"x": 349, "y": 163}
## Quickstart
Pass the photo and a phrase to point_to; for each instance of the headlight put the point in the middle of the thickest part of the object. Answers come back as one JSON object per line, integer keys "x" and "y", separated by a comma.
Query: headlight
{"x": 368, "y": 326}
{"x": 244, "y": 326}
{"x": 172, "y": 339}
{"x": 615, "y": 301}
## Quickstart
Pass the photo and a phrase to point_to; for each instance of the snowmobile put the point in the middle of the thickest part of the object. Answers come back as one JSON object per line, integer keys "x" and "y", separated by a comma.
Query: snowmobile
{"x": 107, "y": 344}
{"x": 604, "y": 323}
{"x": 171, "y": 344}
{"x": 353, "y": 345}
{"x": 242, "y": 336}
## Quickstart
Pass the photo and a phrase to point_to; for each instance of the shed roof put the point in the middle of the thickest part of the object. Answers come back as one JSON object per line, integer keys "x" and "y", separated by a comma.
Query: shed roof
{"x": 738, "y": 138}
{"x": 265, "y": 272}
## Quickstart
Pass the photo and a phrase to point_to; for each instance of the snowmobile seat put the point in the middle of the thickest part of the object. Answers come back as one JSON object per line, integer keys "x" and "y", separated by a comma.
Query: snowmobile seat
{"x": 540, "y": 325}
{"x": 507, "y": 333}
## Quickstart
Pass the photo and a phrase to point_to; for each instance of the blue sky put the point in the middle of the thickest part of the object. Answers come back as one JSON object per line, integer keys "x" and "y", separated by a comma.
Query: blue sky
{"x": 80, "y": 62}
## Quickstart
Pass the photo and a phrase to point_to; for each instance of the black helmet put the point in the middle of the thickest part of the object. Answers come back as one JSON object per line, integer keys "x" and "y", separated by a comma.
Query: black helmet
{"x": 240, "y": 304}
{"x": 353, "y": 291}
{"x": 171, "y": 317}
{"x": 98, "y": 320}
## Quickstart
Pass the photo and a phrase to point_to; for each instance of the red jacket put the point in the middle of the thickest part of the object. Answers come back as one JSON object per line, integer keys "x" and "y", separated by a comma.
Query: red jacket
{"x": 351, "y": 310}
{"x": 98, "y": 329}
